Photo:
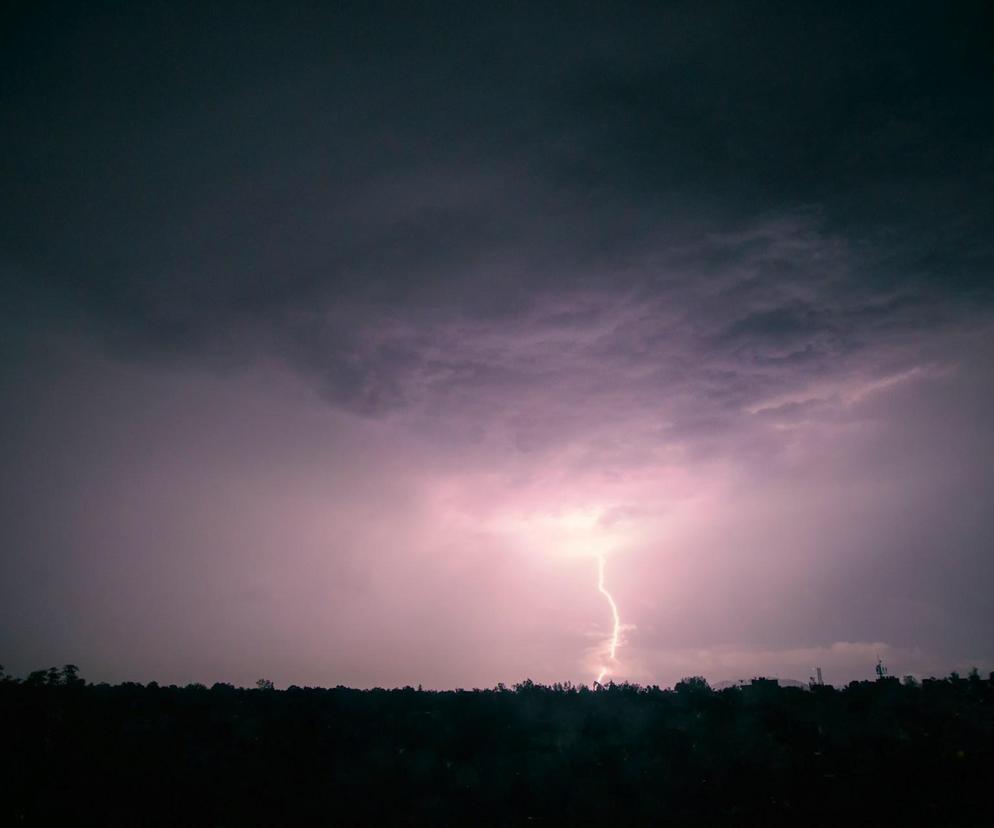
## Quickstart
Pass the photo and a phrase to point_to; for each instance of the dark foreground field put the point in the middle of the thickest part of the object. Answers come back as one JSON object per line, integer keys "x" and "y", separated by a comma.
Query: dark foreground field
{"x": 85, "y": 754}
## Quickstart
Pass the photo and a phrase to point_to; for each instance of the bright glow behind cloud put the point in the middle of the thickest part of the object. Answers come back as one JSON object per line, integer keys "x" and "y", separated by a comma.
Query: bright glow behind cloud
{"x": 282, "y": 521}
{"x": 589, "y": 533}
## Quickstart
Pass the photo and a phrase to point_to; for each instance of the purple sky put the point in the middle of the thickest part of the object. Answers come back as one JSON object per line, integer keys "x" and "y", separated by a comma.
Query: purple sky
{"x": 340, "y": 345}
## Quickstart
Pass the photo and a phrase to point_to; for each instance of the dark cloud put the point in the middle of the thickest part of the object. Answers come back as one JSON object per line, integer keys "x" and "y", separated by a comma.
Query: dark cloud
{"x": 177, "y": 172}
{"x": 615, "y": 238}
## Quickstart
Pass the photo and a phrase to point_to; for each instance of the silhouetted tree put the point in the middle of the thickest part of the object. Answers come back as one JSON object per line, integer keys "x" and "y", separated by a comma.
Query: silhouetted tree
{"x": 692, "y": 685}
{"x": 626, "y": 755}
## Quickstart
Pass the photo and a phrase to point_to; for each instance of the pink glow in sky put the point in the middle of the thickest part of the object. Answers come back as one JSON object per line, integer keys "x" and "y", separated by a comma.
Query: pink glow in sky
{"x": 340, "y": 346}
{"x": 235, "y": 525}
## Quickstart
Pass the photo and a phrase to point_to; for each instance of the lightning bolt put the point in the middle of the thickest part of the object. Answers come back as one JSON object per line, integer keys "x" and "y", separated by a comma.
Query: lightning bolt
{"x": 616, "y": 631}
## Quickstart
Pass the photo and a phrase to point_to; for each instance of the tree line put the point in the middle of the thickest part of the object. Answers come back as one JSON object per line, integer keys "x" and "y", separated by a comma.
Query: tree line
{"x": 618, "y": 754}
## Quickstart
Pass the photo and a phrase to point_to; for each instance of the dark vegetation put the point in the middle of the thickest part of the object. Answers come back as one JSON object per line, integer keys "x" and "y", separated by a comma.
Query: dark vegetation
{"x": 759, "y": 754}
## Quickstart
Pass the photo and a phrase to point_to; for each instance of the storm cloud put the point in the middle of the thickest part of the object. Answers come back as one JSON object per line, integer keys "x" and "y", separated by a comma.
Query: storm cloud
{"x": 319, "y": 321}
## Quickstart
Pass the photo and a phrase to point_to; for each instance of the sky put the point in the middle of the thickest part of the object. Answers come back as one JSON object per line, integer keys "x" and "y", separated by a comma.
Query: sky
{"x": 345, "y": 343}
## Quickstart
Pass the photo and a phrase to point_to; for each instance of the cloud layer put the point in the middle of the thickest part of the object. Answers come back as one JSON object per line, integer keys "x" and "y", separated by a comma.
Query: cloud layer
{"x": 338, "y": 343}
